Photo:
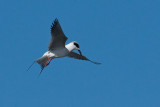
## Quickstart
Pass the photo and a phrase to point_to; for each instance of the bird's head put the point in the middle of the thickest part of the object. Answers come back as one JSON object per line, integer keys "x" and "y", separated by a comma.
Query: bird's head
{"x": 77, "y": 47}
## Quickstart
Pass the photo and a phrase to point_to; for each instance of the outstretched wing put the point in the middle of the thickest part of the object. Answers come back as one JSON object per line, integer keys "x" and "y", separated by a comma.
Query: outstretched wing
{"x": 77, "y": 56}
{"x": 58, "y": 38}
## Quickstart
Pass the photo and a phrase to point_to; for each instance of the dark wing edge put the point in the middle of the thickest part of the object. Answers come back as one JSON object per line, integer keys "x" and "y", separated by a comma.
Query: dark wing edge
{"x": 77, "y": 56}
{"x": 56, "y": 32}
{"x": 56, "y": 26}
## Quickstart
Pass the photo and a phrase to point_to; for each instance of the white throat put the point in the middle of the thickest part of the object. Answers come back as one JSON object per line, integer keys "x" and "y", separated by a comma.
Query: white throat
{"x": 70, "y": 47}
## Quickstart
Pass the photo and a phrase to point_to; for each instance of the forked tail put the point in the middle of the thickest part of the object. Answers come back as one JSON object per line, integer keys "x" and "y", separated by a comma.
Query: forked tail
{"x": 30, "y": 66}
{"x": 43, "y": 62}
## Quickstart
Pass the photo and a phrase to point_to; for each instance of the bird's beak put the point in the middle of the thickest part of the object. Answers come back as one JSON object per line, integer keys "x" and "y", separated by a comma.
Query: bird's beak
{"x": 79, "y": 51}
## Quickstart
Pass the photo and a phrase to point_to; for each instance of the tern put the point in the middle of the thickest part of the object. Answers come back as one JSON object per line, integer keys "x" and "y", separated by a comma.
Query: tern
{"x": 58, "y": 49}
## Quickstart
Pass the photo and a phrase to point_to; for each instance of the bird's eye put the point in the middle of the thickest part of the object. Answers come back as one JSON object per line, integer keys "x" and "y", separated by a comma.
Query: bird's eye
{"x": 76, "y": 44}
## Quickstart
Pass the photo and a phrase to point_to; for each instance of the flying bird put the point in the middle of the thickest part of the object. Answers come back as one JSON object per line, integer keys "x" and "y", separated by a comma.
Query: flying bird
{"x": 58, "y": 49}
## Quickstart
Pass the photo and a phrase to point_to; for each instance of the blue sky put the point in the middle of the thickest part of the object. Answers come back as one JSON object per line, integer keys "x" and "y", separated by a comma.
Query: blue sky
{"x": 123, "y": 35}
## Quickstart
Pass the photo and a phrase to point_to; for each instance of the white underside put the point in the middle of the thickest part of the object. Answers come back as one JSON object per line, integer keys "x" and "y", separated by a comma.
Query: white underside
{"x": 60, "y": 52}
{"x": 57, "y": 53}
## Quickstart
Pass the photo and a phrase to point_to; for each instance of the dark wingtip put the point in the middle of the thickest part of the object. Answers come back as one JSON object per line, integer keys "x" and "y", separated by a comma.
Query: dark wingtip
{"x": 56, "y": 19}
{"x": 95, "y": 62}
{"x": 54, "y": 23}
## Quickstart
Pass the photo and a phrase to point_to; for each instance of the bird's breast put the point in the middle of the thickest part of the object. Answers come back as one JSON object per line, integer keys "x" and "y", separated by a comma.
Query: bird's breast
{"x": 60, "y": 52}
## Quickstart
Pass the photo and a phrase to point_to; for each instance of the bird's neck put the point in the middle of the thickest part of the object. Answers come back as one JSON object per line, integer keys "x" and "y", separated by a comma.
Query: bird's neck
{"x": 70, "y": 47}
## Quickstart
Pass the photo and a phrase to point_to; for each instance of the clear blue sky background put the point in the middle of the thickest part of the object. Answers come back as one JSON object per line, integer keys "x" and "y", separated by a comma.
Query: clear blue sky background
{"x": 122, "y": 34}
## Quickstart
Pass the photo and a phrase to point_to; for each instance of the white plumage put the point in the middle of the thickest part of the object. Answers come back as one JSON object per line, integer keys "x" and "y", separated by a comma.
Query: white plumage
{"x": 57, "y": 47}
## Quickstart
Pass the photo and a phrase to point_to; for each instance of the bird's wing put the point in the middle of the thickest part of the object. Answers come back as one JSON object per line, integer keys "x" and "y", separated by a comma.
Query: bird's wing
{"x": 77, "y": 56}
{"x": 58, "y": 38}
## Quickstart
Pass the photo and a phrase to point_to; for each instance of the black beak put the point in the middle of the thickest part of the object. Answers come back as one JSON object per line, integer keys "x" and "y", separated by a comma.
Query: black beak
{"x": 79, "y": 52}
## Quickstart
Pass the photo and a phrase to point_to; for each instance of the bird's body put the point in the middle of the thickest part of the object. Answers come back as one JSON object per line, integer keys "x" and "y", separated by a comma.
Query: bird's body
{"x": 60, "y": 52}
{"x": 58, "y": 49}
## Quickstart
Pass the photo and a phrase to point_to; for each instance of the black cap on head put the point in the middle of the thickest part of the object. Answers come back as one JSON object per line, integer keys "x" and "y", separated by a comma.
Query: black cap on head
{"x": 76, "y": 44}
